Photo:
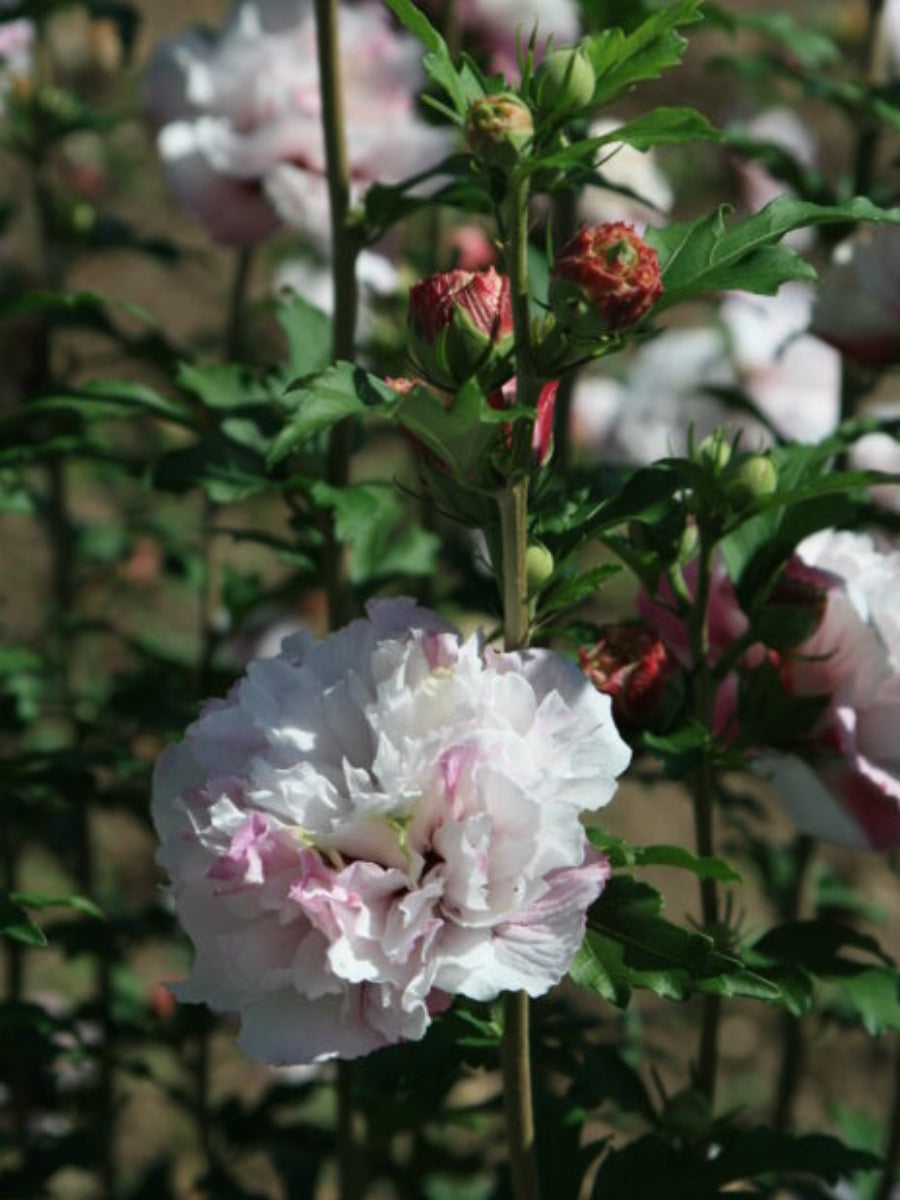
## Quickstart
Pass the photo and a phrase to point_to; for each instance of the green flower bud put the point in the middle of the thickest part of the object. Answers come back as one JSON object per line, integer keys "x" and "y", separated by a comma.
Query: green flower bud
{"x": 565, "y": 82}
{"x": 753, "y": 477}
{"x": 499, "y": 129}
{"x": 714, "y": 452}
{"x": 539, "y": 567}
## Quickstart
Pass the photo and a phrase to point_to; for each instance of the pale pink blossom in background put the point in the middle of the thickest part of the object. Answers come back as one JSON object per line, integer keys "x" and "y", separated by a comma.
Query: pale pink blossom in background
{"x": 635, "y": 170}
{"x": 376, "y": 276}
{"x": 847, "y": 788}
{"x": 646, "y": 413}
{"x": 502, "y": 25}
{"x": 886, "y": 65}
{"x": 16, "y": 50}
{"x": 792, "y": 377}
{"x": 858, "y": 306}
{"x": 369, "y": 825}
{"x": 784, "y": 128}
{"x": 239, "y": 117}
{"x": 759, "y": 347}
{"x": 880, "y": 452}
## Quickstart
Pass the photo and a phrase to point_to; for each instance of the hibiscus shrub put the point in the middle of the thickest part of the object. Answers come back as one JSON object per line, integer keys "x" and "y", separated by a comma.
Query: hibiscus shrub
{"x": 520, "y": 467}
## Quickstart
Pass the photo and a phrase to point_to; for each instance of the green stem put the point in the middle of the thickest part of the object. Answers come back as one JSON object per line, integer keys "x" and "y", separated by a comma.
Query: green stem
{"x": 515, "y": 1055}
{"x": 351, "y": 1175}
{"x": 452, "y": 28}
{"x": 516, "y": 213}
{"x": 703, "y": 688}
{"x": 892, "y": 1149}
{"x": 869, "y": 129}
{"x": 792, "y": 1048}
{"x": 512, "y": 503}
{"x": 235, "y": 340}
{"x": 564, "y": 221}
{"x": 16, "y": 1055}
{"x": 202, "y": 1110}
{"x": 344, "y": 251}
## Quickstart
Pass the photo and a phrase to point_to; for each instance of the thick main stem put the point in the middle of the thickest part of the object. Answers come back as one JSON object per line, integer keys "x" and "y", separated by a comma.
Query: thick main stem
{"x": 892, "y": 1149}
{"x": 516, "y": 1050}
{"x": 564, "y": 222}
{"x": 869, "y": 129}
{"x": 344, "y": 249}
{"x": 512, "y": 502}
{"x": 792, "y": 1048}
{"x": 704, "y": 804}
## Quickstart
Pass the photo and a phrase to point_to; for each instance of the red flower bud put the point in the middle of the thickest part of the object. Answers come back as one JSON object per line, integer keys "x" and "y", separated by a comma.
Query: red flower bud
{"x": 615, "y": 271}
{"x": 542, "y": 434}
{"x": 795, "y": 605}
{"x": 460, "y": 325}
{"x": 630, "y": 664}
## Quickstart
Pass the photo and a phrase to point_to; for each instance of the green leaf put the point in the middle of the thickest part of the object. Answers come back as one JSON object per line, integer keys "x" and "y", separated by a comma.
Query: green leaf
{"x": 804, "y": 44}
{"x": 384, "y": 544}
{"x": 228, "y": 386}
{"x": 308, "y": 333}
{"x": 116, "y": 398}
{"x": 680, "y": 749}
{"x": 569, "y": 592}
{"x": 620, "y": 60}
{"x": 343, "y": 390}
{"x": 811, "y": 496}
{"x": 820, "y": 947}
{"x": 659, "y": 127}
{"x": 764, "y": 1151}
{"x": 648, "y": 491}
{"x": 874, "y": 996}
{"x": 629, "y": 944}
{"x": 458, "y": 432}
{"x": 461, "y": 85}
{"x": 711, "y": 255}
{"x": 664, "y": 126}
{"x": 227, "y": 472}
{"x": 82, "y": 307}
{"x": 621, "y": 854}
{"x": 15, "y": 923}
{"x": 42, "y": 900}
{"x": 651, "y": 1166}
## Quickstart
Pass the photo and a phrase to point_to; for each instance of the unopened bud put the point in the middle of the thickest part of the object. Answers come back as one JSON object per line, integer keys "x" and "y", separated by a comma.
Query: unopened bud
{"x": 611, "y": 268}
{"x": 539, "y": 567}
{"x": 565, "y": 82}
{"x": 460, "y": 326}
{"x": 752, "y": 478}
{"x": 631, "y": 664}
{"x": 714, "y": 451}
{"x": 499, "y": 129}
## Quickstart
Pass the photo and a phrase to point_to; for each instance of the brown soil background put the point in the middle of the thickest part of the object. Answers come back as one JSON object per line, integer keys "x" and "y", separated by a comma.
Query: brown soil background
{"x": 842, "y": 1068}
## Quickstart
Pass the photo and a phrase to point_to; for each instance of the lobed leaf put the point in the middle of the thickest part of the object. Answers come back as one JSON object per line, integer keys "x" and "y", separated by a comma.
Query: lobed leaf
{"x": 710, "y": 255}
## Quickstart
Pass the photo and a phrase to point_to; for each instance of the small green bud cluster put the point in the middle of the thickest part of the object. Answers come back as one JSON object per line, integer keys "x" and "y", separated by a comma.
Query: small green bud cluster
{"x": 500, "y": 128}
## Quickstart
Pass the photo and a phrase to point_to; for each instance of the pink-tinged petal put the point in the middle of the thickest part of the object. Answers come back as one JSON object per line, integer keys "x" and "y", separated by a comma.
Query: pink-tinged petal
{"x": 250, "y": 100}
{"x": 810, "y": 803}
{"x": 234, "y": 210}
{"x": 536, "y": 946}
{"x": 285, "y": 1028}
{"x": 858, "y": 307}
